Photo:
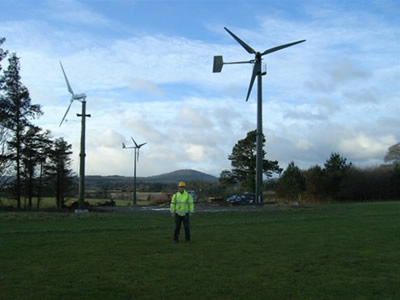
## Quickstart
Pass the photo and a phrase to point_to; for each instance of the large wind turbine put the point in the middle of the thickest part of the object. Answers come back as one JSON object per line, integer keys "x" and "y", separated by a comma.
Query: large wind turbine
{"x": 82, "y": 99}
{"x": 136, "y": 158}
{"x": 217, "y": 67}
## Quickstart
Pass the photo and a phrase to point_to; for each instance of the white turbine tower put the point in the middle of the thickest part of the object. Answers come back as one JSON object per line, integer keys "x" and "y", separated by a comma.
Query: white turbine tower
{"x": 217, "y": 67}
{"x": 136, "y": 158}
{"x": 83, "y": 115}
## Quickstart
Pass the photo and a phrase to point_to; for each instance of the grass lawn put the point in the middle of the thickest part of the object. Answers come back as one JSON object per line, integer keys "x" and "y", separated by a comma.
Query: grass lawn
{"x": 338, "y": 251}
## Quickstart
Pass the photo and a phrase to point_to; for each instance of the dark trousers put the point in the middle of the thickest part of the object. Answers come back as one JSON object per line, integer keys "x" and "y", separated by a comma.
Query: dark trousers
{"x": 178, "y": 221}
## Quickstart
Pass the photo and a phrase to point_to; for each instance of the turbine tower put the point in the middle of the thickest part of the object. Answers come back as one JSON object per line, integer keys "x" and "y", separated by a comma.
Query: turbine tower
{"x": 136, "y": 158}
{"x": 217, "y": 67}
{"x": 83, "y": 115}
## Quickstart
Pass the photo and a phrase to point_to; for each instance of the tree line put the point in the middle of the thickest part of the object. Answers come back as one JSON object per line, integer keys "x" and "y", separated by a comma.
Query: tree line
{"x": 31, "y": 160}
{"x": 337, "y": 180}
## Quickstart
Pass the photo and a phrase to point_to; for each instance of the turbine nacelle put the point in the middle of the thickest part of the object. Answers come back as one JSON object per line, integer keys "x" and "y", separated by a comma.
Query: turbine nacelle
{"x": 79, "y": 97}
{"x": 136, "y": 145}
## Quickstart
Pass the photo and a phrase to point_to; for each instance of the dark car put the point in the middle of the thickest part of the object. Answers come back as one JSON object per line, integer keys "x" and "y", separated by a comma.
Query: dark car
{"x": 243, "y": 199}
{"x": 248, "y": 198}
{"x": 234, "y": 199}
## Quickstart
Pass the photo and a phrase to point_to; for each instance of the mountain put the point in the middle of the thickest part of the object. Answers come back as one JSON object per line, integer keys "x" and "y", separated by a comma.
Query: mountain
{"x": 95, "y": 181}
{"x": 180, "y": 175}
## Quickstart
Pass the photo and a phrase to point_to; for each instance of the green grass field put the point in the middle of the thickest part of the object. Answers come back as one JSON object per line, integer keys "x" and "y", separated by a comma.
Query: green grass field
{"x": 338, "y": 251}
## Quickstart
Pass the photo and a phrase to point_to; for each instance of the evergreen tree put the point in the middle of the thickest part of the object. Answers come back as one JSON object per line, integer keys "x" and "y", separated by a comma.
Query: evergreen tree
{"x": 45, "y": 145}
{"x": 5, "y": 162}
{"x": 315, "y": 183}
{"x": 16, "y": 113}
{"x": 335, "y": 169}
{"x": 243, "y": 161}
{"x": 3, "y": 53}
{"x": 292, "y": 183}
{"x": 58, "y": 170}
{"x": 33, "y": 152}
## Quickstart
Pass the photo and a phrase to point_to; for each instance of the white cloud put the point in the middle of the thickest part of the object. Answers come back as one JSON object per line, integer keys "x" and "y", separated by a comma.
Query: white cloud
{"x": 74, "y": 12}
{"x": 195, "y": 152}
{"x": 146, "y": 86}
{"x": 362, "y": 146}
{"x": 303, "y": 144}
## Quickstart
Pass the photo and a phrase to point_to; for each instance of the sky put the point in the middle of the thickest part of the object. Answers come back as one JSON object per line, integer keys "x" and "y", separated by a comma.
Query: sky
{"x": 146, "y": 68}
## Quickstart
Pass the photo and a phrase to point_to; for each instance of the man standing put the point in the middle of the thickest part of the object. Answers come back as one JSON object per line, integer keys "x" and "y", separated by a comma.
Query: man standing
{"x": 182, "y": 207}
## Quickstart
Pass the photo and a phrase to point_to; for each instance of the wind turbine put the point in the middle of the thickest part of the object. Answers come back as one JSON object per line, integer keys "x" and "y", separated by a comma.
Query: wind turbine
{"x": 136, "y": 158}
{"x": 217, "y": 67}
{"x": 82, "y": 99}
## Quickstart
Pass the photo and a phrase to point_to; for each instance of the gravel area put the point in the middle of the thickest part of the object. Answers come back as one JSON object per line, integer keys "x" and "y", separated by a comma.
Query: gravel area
{"x": 199, "y": 208}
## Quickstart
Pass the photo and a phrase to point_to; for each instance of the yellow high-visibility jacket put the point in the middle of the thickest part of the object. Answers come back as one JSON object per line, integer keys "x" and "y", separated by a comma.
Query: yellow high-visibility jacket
{"x": 182, "y": 204}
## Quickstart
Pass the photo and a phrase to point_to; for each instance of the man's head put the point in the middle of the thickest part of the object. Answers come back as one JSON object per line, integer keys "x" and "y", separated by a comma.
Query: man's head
{"x": 181, "y": 186}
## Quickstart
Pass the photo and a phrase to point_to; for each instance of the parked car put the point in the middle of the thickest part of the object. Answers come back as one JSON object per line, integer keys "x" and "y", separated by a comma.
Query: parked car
{"x": 243, "y": 199}
{"x": 248, "y": 198}
{"x": 234, "y": 199}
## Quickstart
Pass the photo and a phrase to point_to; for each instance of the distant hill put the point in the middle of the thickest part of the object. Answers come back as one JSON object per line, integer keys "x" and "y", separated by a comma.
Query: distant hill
{"x": 180, "y": 175}
{"x": 93, "y": 181}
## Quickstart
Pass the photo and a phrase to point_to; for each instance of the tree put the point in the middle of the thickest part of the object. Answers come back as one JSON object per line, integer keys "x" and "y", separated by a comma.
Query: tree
{"x": 243, "y": 161}
{"x": 3, "y": 53}
{"x": 45, "y": 145}
{"x": 226, "y": 178}
{"x": 16, "y": 112}
{"x": 335, "y": 169}
{"x": 315, "y": 183}
{"x": 5, "y": 162}
{"x": 58, "y": 169}
{"x": 394, "y": 181}
{"x": 291, "y": 184}
{"x": 393, "y": 154}
{"x": 35, "y": 144}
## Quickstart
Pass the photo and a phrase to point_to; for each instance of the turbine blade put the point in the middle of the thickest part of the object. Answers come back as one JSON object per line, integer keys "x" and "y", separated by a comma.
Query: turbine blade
{"x": 66, "y": 80}
{"x": 69, "y": 106}
{"x": 138, "y": 154}
{"x": 244, "y": 45}
{"x": 253, "y": 77}
{"x": 281, "y": 47}
{"x": 134, "y": 142}
{"x": 142, "y": 145}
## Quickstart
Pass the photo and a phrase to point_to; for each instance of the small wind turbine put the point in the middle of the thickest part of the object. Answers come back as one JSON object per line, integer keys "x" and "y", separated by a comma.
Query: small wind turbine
{"x": 82, "y": 99}
{"x": 217, "y": 67}
{"x": 136, "y": 158}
